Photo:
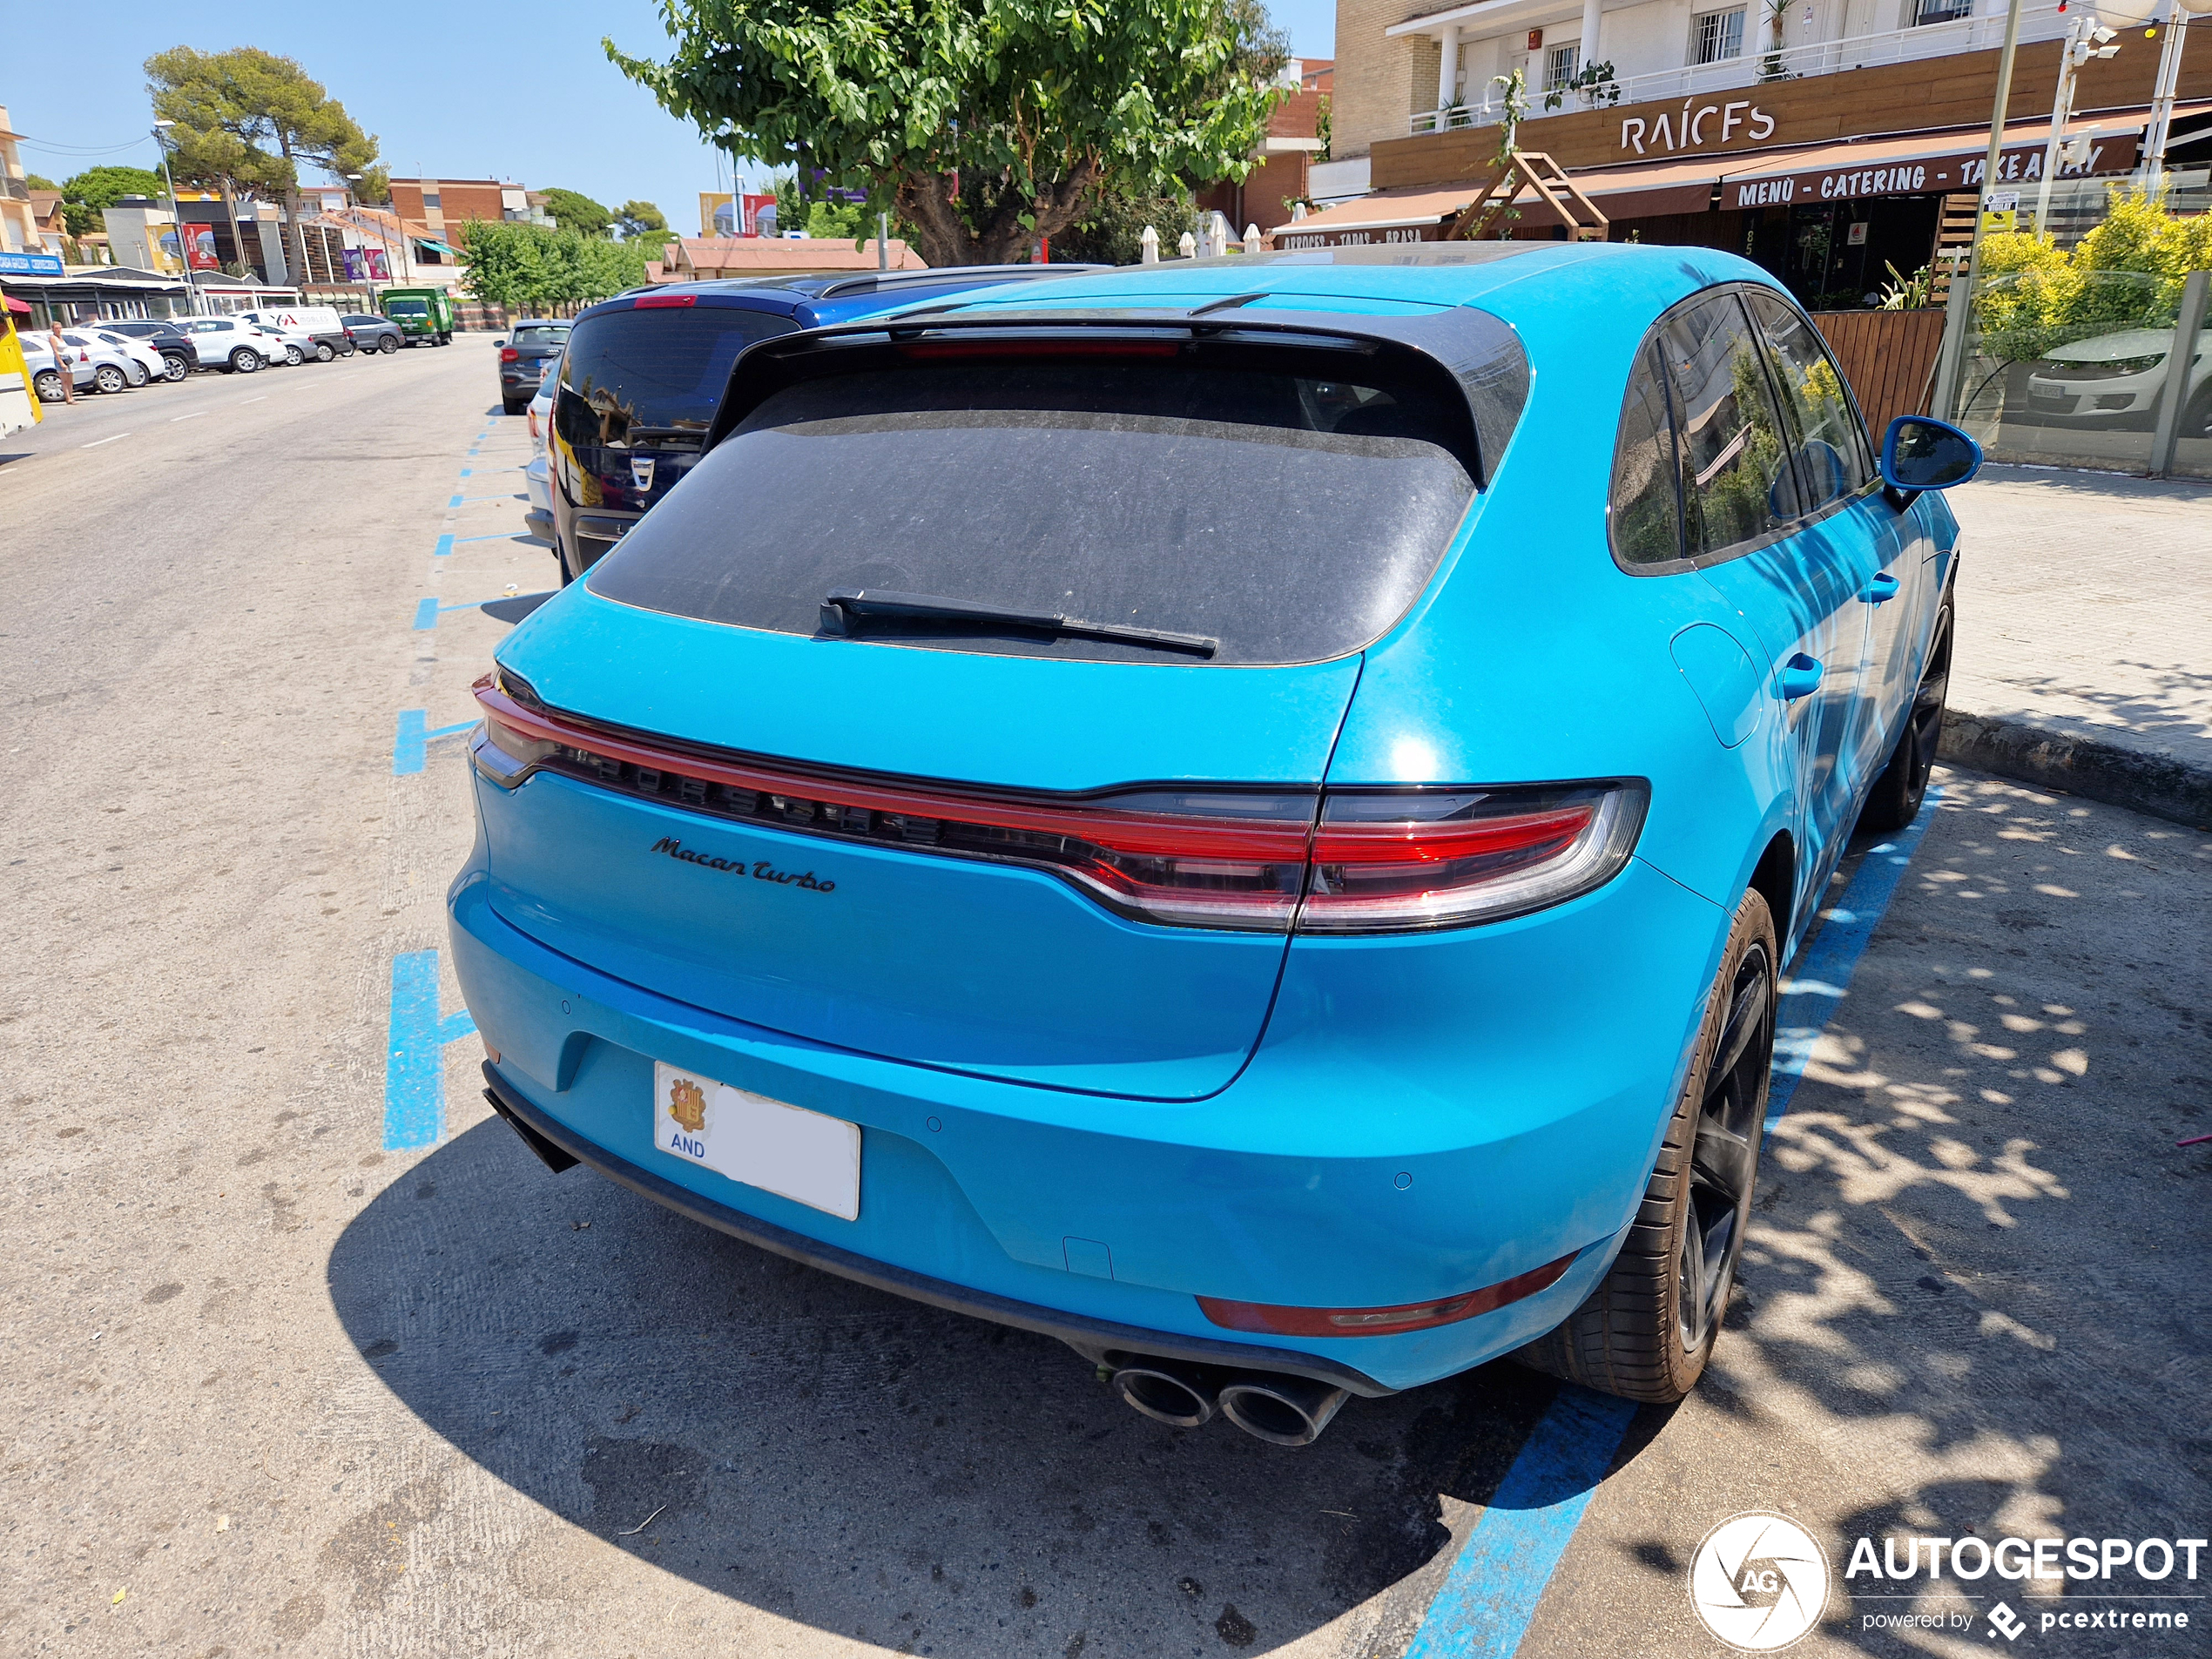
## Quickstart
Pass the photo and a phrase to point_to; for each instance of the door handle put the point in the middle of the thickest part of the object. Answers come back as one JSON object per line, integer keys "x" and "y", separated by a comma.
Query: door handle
{"x": 1883, "y": 587}
{"x": 1800, "y": 678}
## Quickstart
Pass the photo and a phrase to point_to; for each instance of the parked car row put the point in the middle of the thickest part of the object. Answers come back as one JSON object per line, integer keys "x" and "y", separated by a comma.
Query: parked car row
{"x": 118, "y": 354}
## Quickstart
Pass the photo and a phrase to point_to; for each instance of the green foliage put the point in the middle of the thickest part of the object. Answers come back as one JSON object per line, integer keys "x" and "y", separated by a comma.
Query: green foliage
{"x": 38, "y": 181}
{"x": 638, "y": 221}
{"x": 86, "y": 195}
{"x": 1111, "y": 230}
{"x": 1903, "y": 292}
{"x": 981, "y": 124}
{"x": 1513, "y": 96}
{"x": 527, "y": 266}
{"x": 574, "y": 210}
{"x": 2126, "y": 273}
{"x": 1734, "y": 501}
{"x": 247, "y": 119}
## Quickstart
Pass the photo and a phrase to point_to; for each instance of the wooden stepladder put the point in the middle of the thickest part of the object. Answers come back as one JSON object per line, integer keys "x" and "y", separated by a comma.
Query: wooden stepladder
{"x": 1530, "y": 173}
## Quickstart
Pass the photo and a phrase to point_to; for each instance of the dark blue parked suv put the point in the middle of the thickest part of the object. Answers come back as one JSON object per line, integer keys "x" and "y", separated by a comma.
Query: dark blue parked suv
{"x": 644, "y": 372}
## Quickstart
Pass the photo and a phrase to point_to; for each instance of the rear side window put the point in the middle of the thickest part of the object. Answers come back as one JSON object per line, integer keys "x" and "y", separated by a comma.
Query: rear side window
{"x": 1289, "y": 512}
{"x": 1737, "y": 486}
{"x": 1833, "y": 460}
{"x": 1645, "y": 507}
{"x": 659, "y": 369}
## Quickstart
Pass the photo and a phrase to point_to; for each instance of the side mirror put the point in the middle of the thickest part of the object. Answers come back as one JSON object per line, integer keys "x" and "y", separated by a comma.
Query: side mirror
{"x": 1919, "y": 452}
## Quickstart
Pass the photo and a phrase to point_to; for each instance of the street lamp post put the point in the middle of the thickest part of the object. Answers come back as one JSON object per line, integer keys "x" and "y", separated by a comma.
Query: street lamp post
{"x": 177, "y": 215}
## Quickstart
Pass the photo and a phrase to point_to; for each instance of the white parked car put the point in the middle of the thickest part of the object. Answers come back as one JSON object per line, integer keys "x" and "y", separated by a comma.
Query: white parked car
{"x": 2114, "y": 380}
{"x": 90, "y": 364}
{"x": 156, "y": 366}
{"x": 534, "y": 476}
{"x": 230, "y": 344}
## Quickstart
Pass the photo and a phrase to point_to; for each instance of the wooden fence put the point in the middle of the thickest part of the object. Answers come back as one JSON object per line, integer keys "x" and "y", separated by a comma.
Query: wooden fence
{"x": 1888, "y": 357}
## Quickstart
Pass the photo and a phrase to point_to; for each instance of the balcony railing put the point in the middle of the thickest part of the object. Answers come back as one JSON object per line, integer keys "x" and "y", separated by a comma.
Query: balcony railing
{"x": 2040, "y": 20}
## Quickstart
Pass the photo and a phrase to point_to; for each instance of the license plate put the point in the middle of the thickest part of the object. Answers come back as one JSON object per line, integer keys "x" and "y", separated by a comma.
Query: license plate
{"x": 785, "y": 1150}
{"x": 2041, "y": 395}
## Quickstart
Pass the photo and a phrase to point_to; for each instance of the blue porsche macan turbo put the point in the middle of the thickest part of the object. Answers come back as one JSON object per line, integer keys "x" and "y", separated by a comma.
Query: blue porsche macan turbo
{"x": 1246, "y": 814}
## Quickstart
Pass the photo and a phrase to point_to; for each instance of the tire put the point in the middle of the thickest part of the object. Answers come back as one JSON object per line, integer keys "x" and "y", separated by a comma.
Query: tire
{"x": 1895, "y": 799}
{"x": 323, "y": 353}
{"x": 389, "y": 344}
{"x": 47, "y": 383}
{"x": 293, "y": 357}
{"x": 2196, "y": 417}
{"x": 1646, "y": 1330}
{"x": 139, "y": 374}
{"x": 246, "y": 361}
{"x": 108, "y": 378}
{"x": 174, "y": 367}
{"x": 510, "y": 405}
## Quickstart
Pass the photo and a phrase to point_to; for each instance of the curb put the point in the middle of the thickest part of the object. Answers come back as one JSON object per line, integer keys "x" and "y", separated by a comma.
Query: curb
{"x": 2091, "y": 767}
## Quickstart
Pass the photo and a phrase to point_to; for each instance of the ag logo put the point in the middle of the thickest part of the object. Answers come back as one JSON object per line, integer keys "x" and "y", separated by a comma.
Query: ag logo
{"x": 1759, "y": 1582}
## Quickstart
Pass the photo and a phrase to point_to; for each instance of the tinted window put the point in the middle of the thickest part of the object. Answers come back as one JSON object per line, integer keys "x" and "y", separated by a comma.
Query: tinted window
{"x": 1737, "y": 481}
{"x": 659, "y": 367}
{"x": 540, "y": 334}
{"x": 1644, "y": 508}
{"x": 1831, "y": 441}
{"x": 1289, "y": 514}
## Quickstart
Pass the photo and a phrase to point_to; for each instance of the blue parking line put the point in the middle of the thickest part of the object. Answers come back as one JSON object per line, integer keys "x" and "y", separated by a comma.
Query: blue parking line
{"x": 411, "y": 744}
{"x": 428, "y": 612}
{"x": 1812, "y": 994}
{"x": 415, "y": 1082}
{"x": 444, "y": 547}
{"x": 1483, "y": 1609}
{"x": 455, "y": 502}
{"x": 1486, "y": 1599}
{"x": 497, "y": 535}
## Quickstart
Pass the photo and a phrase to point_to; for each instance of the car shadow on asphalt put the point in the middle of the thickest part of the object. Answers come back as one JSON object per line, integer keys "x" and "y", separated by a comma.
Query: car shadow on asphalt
{"x": 829, "y": 1453}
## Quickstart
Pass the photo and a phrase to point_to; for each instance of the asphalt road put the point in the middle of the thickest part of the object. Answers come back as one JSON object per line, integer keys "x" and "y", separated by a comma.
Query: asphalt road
{"x": 270, "y": 1388}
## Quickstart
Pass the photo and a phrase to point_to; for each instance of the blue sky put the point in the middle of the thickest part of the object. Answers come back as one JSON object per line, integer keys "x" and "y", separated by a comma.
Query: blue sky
{"x": 520, "y": 92}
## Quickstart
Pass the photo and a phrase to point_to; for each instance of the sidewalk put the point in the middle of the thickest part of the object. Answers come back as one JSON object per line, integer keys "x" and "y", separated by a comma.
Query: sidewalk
{"x": 2084, "y": 654}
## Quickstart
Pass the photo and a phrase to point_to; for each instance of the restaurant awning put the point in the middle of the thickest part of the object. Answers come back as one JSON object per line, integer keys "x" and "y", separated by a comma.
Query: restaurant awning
{"x": 1418, "y": 214}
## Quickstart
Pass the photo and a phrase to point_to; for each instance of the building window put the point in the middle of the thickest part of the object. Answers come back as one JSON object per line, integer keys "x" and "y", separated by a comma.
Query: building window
{"x": 1560, "y": 66}
{"x": 431, "y": 203}
{"x": 1715, "y": 36}
{"x": 1941, "y": 11}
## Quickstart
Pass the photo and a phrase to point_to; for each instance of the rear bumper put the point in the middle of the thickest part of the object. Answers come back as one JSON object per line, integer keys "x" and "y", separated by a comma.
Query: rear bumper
{"x": 1098, "y": 1340}
{"x": 1443, "y": 1113}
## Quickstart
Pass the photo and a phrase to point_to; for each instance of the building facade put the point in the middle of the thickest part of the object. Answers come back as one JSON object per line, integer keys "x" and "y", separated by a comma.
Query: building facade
{"x": 20, "y": 228}
{"x": 1829, "y": 140}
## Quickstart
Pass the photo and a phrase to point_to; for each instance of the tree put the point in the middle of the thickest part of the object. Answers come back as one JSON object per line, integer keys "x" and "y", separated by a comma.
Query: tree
{"x": 526, "y": 266}
{"x": 38, "y": 181}
{"x": 981, "y": 123}
{"x": 638, "y": 221}
{"x": 272, "y": 107}
{"x": 86, "y": 195}
{"x": 573, "y": 210}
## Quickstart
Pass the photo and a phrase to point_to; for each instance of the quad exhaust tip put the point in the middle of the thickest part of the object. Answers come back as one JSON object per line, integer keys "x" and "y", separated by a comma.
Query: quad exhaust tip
{"x": 1269, "y": 1405}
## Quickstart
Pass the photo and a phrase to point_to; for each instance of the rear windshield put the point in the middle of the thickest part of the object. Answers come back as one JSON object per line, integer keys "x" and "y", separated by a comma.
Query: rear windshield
{"x": 541, "y": 335}
{"x": 658, "y": 367}
{"x": 1291, "y": 515}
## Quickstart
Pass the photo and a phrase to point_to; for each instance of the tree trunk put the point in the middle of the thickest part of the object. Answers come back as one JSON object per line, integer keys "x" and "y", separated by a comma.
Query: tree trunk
{"x": 945, "y": 237}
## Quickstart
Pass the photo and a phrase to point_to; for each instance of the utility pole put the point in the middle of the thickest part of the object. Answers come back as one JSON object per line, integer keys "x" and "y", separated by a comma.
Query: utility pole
{"x": 177, "y": 215}
{"x": 1951, "y": 356}
{"x": 2085, "y": 38}
{"x": 2161, "y": 101}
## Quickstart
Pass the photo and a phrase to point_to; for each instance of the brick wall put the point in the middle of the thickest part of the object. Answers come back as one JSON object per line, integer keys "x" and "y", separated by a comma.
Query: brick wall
{"x": 1379, "y": 81}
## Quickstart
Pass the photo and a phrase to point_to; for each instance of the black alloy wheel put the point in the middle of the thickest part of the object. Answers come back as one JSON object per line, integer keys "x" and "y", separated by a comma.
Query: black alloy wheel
{"x": 1724, "y": 1152}
{"x": 1895, "y": 799}
{"x": 1647, "y": 1329}
{"x": 389, "y": 344}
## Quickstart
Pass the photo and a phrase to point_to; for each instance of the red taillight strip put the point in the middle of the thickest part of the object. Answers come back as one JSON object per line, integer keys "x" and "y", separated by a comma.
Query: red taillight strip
{"x": 1140, "y": 833}
{"x": 1273, "y": 1320}
{"x": 645, "y": 300}
{"x": 1033, "y": 349}
{"x": 1418, "y": 843}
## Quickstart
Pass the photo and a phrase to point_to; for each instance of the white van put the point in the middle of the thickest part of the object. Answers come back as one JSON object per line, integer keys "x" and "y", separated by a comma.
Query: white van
{"x": 319, "y": 330}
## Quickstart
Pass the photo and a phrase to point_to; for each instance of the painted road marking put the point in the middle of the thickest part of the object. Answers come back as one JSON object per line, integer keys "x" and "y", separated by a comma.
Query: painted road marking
{"x": 256, "y": 398}
{"x": 1490, "y": 1593}
{"x": 410, "y": 746}
{"x": 428, "y": 612}
{"x": 415, "y": 1081}
{"x": 194, "y": 415}
{"x": 97, "y": 442}
{"x": 1483, "y": 1609}
{"x": 1812, "y": 994}
{"x": 459, "y": 500}
{"x": 444, "y": 547}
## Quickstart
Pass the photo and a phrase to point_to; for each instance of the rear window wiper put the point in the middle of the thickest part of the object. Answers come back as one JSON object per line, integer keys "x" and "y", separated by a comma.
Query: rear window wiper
{"x": 848, "y": 612}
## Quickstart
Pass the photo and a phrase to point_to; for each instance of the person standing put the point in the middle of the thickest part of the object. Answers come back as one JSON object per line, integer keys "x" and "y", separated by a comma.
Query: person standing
{"x": 61, "y": 361}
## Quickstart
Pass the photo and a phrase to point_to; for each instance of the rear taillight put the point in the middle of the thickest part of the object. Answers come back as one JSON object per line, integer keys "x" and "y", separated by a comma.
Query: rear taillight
{"x": 508, "y": 354}
{"x": 1269, "y": 1319}
{"x": 1253, "y": 859}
